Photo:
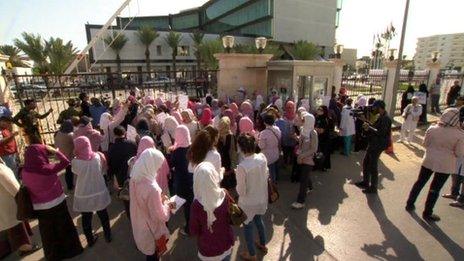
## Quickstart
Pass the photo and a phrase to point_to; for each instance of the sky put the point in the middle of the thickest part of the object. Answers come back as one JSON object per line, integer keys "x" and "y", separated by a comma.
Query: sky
{"x": 359, "y": 21}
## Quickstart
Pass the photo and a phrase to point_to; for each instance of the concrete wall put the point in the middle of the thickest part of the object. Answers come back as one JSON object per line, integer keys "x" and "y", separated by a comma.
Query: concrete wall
{"x": 242, "y": 70}
{"x": 311, "y": 20}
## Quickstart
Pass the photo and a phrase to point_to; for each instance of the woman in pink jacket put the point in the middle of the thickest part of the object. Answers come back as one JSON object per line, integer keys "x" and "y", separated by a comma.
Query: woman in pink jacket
{"x": 149, "y": 207}
{"x": 443, "y": 143}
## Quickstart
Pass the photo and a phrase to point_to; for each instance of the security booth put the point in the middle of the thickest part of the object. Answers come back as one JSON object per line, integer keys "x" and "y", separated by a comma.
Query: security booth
{"x": 301, "y": 81}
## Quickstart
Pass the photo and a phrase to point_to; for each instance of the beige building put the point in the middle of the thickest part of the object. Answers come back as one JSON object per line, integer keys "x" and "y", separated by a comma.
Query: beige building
{"x": 349, "y": 56}
{"x": 450, "y": 47}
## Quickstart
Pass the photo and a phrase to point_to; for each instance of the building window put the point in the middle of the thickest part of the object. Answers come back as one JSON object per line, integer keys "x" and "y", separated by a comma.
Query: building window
{"x": 158, "y": 50}
{"x": 183, "y": 50}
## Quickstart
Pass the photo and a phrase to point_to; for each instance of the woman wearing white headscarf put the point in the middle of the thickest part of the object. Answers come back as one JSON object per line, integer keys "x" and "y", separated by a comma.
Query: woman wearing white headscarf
{"x": 307, "y": 147}
{"x": 107, "y": 125}
{"x": 209, "y": 218}
{"x": 443, "y": 142}
{"x": 169, "y": 126}
{"x": 149, "y": 208}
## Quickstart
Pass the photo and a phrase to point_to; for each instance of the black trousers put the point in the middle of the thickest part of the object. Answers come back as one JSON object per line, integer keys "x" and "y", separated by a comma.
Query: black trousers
{"x": 370, "y": 167}
{"x": 456, "y": 181}
{"x": 69, "y": 178}
{"x": 153, "y": 257}
{"x": 439, "y": 179}
{"x": 87, "y": 224}
{"x": 127, "y": 208}
{"x": 305, "y": 182}
{"x": 186, "y": 192}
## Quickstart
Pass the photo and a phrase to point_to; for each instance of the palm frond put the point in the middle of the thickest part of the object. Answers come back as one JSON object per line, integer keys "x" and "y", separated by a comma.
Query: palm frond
{"x": 33, "y": 46}
{"x": 14, "y": 55}
{"x": 173, "y": 40}
{"x": 147, "y": 34}
{"x": 303, "y": 50}
{"x": 60, "y": 54}
{"x": 116, "y": 41}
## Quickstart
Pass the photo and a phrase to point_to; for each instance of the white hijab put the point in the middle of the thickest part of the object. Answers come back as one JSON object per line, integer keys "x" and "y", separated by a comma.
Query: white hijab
{"x": 308, "y": 124}
{"x": 105, "y": 121}
{"x": 147, "y": 165}
{"x": 207, "y": 190}
{"x": 259, "y": 100}
{"x": 170, "y": 125}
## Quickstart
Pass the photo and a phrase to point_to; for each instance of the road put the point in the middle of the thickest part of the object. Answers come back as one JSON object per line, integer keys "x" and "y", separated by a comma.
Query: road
{"x": 339, "y": 222}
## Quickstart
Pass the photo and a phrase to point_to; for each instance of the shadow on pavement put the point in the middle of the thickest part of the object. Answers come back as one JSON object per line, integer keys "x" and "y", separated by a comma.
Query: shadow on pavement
{"x": 454, "y": 249}
{"x": 394, "y": 239}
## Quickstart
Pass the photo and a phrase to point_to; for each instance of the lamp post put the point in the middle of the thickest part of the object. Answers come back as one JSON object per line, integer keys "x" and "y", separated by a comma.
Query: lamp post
{"x": 391, "y": 52}
{"x": 228, "y": 42}
{"x": 261, "y": 43}
{"x": 338, "y": 50}
{"x": 435, "y": 56}
{"x": 400, "y": 58}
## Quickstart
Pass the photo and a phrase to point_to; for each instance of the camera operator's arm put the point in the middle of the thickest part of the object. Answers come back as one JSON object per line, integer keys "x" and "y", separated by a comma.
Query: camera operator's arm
{"x": 382, "y": 127}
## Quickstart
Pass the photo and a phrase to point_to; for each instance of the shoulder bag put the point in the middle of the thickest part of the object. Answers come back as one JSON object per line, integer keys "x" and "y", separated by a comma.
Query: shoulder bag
{"x": 236, "y": 214}
{"x": 25, "y": 210}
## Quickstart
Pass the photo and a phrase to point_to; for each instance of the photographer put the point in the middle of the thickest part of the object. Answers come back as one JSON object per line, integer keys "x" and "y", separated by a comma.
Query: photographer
{"x": 378, "y": 135}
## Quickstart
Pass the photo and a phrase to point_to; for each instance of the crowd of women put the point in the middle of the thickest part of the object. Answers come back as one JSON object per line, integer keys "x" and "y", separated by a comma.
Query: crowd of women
{"x": 211, "y": 154}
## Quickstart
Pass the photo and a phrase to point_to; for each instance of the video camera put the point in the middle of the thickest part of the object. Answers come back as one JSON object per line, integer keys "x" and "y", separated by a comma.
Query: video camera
{"x": 362, "y": 111}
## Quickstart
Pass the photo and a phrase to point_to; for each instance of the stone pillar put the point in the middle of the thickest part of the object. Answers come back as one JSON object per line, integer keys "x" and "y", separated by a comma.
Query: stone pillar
{"x": 338, "y": 74}
{"x": 434, "y": 70}
{"x": 388, "y": 94}
{"x": 242, "y": 70}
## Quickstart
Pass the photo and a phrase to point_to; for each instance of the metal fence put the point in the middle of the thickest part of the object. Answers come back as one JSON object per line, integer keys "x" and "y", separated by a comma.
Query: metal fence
{"x": 53, "y": 91}
{"x": 371, "y": 85}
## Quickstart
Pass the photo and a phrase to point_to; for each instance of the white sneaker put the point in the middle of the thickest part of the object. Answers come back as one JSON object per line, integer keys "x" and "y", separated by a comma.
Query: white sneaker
{"x": 297, "y": 205}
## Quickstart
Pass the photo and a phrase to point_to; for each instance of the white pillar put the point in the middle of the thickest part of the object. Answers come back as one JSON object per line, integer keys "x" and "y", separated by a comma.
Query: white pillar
{"x": 338, "y": 73}
{"x": 434, "y": 70}
{"x": 388, "y": 94}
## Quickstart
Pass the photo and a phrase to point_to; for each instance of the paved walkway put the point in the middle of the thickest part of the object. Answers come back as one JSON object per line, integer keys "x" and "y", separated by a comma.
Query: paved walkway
{"x": 338, "y": 223}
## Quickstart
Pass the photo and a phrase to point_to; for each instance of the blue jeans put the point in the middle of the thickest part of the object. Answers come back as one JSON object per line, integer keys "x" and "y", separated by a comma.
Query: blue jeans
{"x": 347, "y": 145}
{"x": 273, "y": 170}
{"x": 248, "y": 230}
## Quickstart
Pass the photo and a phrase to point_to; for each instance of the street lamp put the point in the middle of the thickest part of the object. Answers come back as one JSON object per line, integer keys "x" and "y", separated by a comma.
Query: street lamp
{"x": 391, "y": 54}
{"x": 338, "y": 50}
{"x": 261, "y": 43}
{"x": 435, "y": 56}
{"x": 228, "y": 42}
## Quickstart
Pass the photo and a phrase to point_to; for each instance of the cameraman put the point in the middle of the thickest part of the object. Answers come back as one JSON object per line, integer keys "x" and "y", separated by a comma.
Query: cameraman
{"x": 378, "y": 136}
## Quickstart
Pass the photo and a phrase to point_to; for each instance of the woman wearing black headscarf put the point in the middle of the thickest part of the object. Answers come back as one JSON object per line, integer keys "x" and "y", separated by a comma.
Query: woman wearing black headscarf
{"x": 324, "y": 125}
{"x": 423, "y": 117}
{"x": 406, "y": 98}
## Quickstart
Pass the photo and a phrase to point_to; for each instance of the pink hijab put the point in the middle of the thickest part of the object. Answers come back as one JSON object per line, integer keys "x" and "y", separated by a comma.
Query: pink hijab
{"x": 146, "y": 142}
{"x": 246, "y": 125}
{"x": 181, "y": 137}
{"x": 176, "y": 115}
{"x": 94, "y": 136}
{"x": 233, "y": 106}
{"x": 247, "y": 109}
{"x": 230, "y": 114}
{"x": 206, "y": 117}
{"x": 290, "y": 110}
{"x": 83, "y": 149}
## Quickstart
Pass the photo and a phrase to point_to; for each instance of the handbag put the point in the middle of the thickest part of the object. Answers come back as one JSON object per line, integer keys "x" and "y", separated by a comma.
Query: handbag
{"x": 124, "y": 194}
{"x": 318, "y": 158}
{"x": 272, "y": 192}
{"x": 236, "y": 214}
{"x": 25, "y": 210}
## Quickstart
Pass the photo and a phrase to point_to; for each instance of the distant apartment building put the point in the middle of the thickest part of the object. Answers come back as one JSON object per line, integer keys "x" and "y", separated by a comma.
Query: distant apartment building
{"x": 283, "y": 21}
{"x": 349, "y": 56}
{"x": 450, "y": 47}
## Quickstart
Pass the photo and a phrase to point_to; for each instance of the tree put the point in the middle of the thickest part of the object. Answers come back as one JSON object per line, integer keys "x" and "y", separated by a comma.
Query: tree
{"x": 207, "y": 51}
{"x": 14, "y": 56}
{"x": 173, "y": 40}
{"x": 116, "y": 42}
{"x": 60, "y": 55}
{"x": 146, "y": 36}
{"x": 33, "y": 46}
{"x": 303, "y": 50}
{"x": 197, "y": 37}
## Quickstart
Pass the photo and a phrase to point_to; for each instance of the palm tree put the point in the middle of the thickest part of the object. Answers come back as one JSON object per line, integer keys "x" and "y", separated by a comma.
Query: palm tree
{"x": 197, "y": 37}
{"x": 116, "y": 42}
{"x": 207, "y": 51}
{"x": 173, "y": 40}
{"x": 59, "y": 54}
{"x": 146, "y": 36}
{"x": 303, "y": 50}
{"x": 33, "y": 46}
{"x": 14, "y": 56}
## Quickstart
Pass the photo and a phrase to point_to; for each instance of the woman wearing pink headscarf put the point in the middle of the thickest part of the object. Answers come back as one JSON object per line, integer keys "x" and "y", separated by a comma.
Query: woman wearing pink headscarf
{"x": 183, "y": 179}
{"x": 247, "y": 109}
{"x": 246, "y": 125}
{"x": 177, "y": 116}
{"x": 149, "y": 207}
{"x": 91, "y": 194}
{"x": 162, "y": 176}
{"x": 85, "y": 129}
{"x": 234, "y": 108}
{"x": 206, "y": 117}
